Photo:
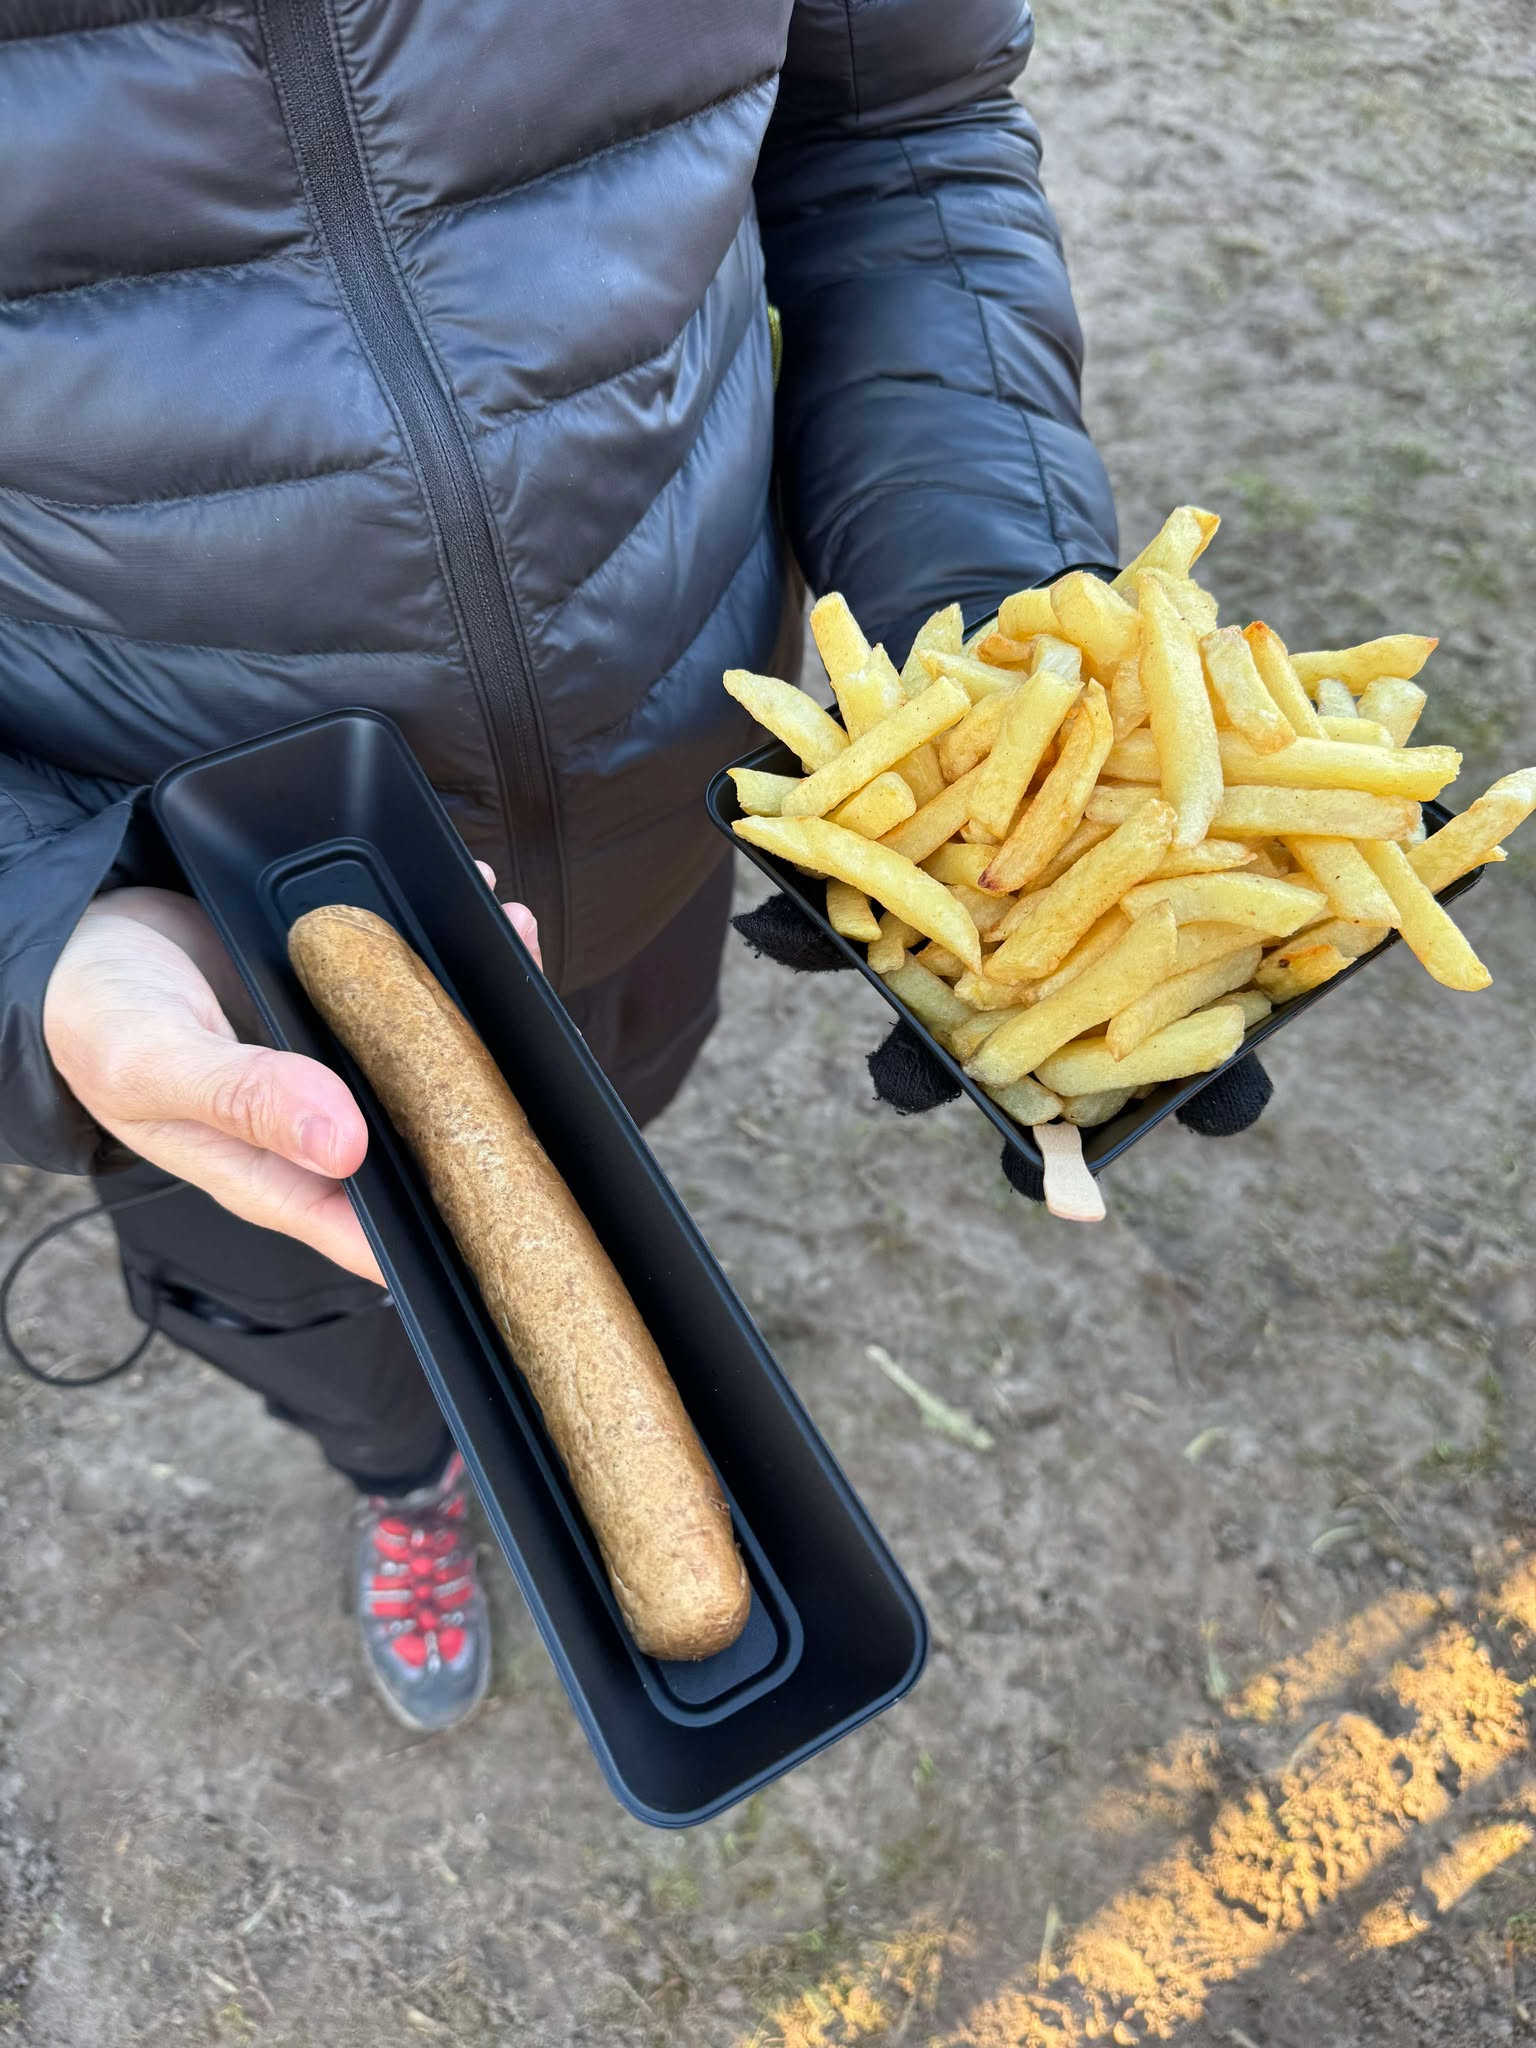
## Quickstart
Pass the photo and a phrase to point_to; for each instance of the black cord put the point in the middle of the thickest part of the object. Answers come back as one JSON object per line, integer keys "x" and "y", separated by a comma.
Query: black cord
{"x": 24, "y": 1257}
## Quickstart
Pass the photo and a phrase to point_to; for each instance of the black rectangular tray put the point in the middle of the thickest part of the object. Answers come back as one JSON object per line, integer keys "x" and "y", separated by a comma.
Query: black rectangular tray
{"x": 337, "y": 810}
{"x": 1105, "y": 1142}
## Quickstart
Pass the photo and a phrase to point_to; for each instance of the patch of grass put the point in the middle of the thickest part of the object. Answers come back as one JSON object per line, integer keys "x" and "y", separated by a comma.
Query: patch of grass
{"x": 1463, "y": 1461}
{"x": 1270, "y": 506}
{"x": 1520, "y": 1934}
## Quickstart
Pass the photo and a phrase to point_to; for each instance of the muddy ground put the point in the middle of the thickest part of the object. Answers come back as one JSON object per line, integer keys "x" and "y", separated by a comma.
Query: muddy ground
{"x": 1224, "y": 1739}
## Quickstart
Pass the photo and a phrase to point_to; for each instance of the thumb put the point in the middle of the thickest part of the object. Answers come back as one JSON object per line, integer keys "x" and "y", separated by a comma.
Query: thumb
{"x": 279, "y": 1102}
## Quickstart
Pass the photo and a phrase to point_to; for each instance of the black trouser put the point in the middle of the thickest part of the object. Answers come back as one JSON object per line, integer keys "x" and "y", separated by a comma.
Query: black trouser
{"x": 327, "y": 1351}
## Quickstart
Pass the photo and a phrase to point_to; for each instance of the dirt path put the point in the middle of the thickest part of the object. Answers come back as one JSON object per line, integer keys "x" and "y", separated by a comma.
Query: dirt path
{"x": 1224, "y": 1739}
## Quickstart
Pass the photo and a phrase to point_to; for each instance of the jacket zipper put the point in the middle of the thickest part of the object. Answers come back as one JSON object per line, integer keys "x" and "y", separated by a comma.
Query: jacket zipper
{"x": 307, "y": 72}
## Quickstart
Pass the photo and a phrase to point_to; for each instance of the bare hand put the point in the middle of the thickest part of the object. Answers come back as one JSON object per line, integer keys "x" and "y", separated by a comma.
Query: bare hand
{"x": 137, "y": 1020}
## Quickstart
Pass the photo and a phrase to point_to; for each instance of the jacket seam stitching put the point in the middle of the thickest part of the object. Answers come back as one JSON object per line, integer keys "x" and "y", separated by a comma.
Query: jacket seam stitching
{"x": 934, "y": 201}
{"x": 266, "y": 483}
{"x": 430, "y": 216}
{"x": 102, "y": 284}
{"x": 210, "y": 647}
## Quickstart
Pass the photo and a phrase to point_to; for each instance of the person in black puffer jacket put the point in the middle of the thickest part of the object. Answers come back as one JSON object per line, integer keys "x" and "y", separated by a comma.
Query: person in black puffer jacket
{"x": 417, "y": 353}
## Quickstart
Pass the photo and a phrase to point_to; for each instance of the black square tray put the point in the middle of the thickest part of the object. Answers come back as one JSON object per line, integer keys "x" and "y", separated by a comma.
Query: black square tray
{"x": 1104, "y": 1142}
{"x": 337, "y": 810}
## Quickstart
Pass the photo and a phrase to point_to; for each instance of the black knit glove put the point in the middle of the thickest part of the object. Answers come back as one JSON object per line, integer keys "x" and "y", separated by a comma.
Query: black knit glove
{"x": 911, "y": 1080}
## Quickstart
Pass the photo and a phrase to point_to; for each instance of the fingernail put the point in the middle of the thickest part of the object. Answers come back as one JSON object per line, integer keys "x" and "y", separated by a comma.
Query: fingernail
{"x": 317, "y": 1141}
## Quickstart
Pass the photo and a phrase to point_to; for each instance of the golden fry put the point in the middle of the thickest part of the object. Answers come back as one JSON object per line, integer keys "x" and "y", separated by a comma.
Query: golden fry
{"x": 1093, "y": 617}
{"x": 868, "y": 693}
{"x": 977, "y": 678}
{"x": 1000, "y": 652}
{"x": 1073, "y": 904}
{"x": 1434, "y": 938}
{"x": 1191, "y": 1046}
{"x": 790, "y": 715}
{"x": 879, "y": 807}
{"x": 848, "y": 912}
{"x": 929, "y": 827}
{"x": 1395, "y": 654}
{"x": 1127, "y": 699}
{"x": 1200, "y": 943}
{"x": 839, "y": 641}
{"x": 1254, "y": 901}
{"x": 1086, "y": 1111}
{"x": 1179, "y": 996}
{"x": 919, "y": 718}
{"x": 986, "y": 912}
{"x": 760, "y": 794}
{"x": 1239, "y": 690}
{"x": 1210, "y": 857}
{"x": 956, "y": 863}
{"x": 1341, "y": 871}
{"x": 940, "y": 961}
{"x": 982, "y": 993}
{"x": 1195, "y": 606}
{"x": 932, "y": 1001}
{"x": 940, "y": 634}
{"x": 1093, "y": 945}
{"x": 921, "y": 772}
{"x": 890, "y": 949}
{"x": 1057, "y": 808}
{"x": 1416, "y": 772}
{"x": 970, "y": 1036}
{"x": 1140, "y": 957}
{"x": 1395, "y": 703}
{"x": 1253, "y": 1003}
{"x": 967, "y": 744}
{"x": 1032, "y": 715}
{"x": 1303, "y": 968}
{"x": 1279, "y": 677}
{"x": 1473, "y": 837}
{"x": 1175, "y": 548}
{"x": 871, "y": 866}
{"x": 1182, "y": 728}
{"x": 1072, "y": 849}
{"x": 1027, "y": 1102}
{"x": 1332, "y": 699}
{"x": 1358, "y": 732}
{"x": 1027, "y": 613}
{"x": 1252, "y": 813}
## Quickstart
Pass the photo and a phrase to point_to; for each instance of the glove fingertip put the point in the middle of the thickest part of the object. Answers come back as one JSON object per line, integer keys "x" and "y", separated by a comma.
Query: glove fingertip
{"x": 1022, "y": 1174}
{"x": 1230, "y": 1104}
{"x": 907, "y": 1076}
{"x": 779, "y": 930}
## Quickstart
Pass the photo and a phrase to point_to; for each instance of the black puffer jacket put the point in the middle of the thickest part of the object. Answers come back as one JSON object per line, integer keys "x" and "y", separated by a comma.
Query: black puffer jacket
{"x": 415, "y": 353}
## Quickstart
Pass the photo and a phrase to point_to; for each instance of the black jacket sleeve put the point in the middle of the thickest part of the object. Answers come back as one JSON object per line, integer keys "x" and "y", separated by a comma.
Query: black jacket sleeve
{"x": 62, "y": 838}
{"x": 931, "y": 444}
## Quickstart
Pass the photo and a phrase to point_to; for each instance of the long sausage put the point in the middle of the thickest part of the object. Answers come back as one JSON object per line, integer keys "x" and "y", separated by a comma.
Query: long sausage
{"x": 639, "y": 1471}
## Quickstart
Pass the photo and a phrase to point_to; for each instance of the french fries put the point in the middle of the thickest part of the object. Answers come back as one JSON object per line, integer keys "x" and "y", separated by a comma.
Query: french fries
{"x": 1064, "y": 913}
{"x": 1183, "y": 730}
{"x": 919, "y": 718}
{"x": 1278, "y": 674}
{"x": 1394, "y": 703}
{"x": 1466, "y": 842}
{"x": 1056, "y": 810}
{"x": 866, "y": 864}
{"x": 1341, "y": 871}
{"x": 1031, "y": 717}
{"x": 1180, "y": 996}
{"x": 1175, "y": 548}
{"x": 1239, "y": 689}
{"x": 1397, "y": 654}
{"x": 1191, "y": 1046}
{"x": 849, "y": 913}
{"x": 760, "y": 794}
{"x": 790, "y": 715}
{"x": 1140, "y": 957}
{"x": 1427, "y": 929}
{"x": 1092, "y": 843}
{"x": 880, "y": 806}
{"x": 1254, "y": 901}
